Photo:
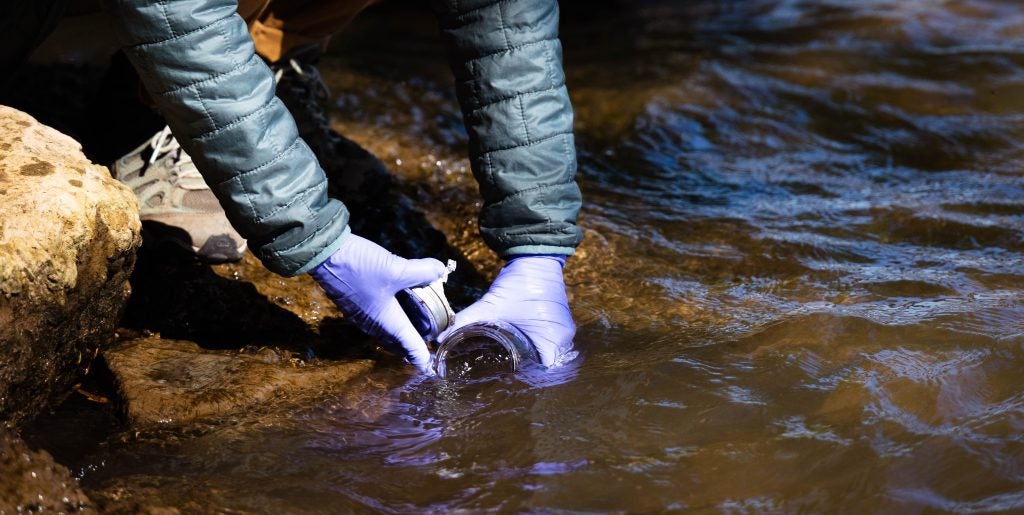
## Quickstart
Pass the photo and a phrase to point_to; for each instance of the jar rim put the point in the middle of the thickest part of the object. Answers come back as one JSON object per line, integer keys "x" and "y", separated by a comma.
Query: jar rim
{"x": 507, "y": 335}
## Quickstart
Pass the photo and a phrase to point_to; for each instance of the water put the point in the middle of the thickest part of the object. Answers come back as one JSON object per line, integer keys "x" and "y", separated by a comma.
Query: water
{"x": 485, "y": 349}
{"x": 802, "y": 287}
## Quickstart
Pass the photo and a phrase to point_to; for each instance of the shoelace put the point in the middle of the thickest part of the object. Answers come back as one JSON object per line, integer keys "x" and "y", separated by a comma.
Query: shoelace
{"x": 163, "y": 144}
{"x": 310, "y": 89}
{"x": 310, "y": 76}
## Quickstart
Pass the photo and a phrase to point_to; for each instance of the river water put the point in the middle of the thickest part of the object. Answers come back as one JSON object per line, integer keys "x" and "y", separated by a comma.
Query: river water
{"x": 802, "y": 286}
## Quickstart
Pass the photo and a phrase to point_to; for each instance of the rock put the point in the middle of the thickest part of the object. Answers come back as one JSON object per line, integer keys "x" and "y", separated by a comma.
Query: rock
{"x": 68, "y": 235}
{"x": 134, "y": 498}
{"x": 30, "y": 481}
{"x": 174, "y": 381}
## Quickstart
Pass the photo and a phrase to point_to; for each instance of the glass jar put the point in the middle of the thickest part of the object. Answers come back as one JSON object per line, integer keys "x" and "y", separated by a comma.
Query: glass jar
{"x": 484, "y": 349}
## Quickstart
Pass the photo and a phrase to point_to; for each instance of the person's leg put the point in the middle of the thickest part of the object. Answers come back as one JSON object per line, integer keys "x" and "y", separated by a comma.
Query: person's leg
{"x": 291, "y": 35}
{"x": 250, "y": 10}
{"x": 283, "y": 26}
{"x": 23, "y": 26}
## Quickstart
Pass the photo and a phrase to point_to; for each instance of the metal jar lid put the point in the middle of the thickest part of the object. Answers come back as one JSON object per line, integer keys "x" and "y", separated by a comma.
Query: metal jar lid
{"x": 428, "y": 308}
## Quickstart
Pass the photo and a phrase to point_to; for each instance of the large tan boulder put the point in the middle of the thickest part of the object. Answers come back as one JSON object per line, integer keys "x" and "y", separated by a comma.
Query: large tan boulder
{"x": 68, "y": 235}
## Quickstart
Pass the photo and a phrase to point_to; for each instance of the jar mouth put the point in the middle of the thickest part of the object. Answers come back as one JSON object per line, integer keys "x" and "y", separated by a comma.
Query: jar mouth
{"x": 483, "y": 349}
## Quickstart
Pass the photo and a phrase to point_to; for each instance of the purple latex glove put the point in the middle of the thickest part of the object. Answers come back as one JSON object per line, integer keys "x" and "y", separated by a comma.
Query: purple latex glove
{"x": 529, "y": 293}
{"x": 362, "y": 278}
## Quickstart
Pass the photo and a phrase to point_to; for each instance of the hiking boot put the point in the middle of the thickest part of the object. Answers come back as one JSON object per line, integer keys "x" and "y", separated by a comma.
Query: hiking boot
{"x": 177, "y": 205}
{"x": 355, "y": 174}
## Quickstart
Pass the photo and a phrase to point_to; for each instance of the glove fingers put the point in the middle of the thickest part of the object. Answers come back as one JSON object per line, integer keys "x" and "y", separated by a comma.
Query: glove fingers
{"x": 419, "y": 272}
{"x": 401, "y": 331}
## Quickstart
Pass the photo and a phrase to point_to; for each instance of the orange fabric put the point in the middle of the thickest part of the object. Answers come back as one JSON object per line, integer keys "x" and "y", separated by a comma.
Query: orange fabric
{"x": 278, "y": 26}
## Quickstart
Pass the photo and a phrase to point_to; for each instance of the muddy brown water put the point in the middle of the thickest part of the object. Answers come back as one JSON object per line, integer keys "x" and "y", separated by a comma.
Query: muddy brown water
{"x": 802, "y": 288}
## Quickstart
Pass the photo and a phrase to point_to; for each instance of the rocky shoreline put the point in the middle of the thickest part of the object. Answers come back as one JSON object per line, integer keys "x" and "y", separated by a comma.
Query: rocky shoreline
{"x": 68, "y": 236}
{"x": 196, "y": 342}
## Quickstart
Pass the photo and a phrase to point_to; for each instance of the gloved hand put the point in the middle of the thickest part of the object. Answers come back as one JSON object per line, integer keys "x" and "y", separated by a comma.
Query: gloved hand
{"x": 362, "y": 278}
{"x": 529, "y": 293}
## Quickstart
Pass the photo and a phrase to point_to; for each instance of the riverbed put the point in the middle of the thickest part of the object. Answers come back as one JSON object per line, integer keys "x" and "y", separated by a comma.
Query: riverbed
{"x": 801, "y": 289}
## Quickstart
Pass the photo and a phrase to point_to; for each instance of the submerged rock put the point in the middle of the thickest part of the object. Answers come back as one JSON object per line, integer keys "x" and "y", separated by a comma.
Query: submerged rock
{"x": 31, "y": 482}
{"x": 68, "y": 235}
{"x": 175, "y": 381}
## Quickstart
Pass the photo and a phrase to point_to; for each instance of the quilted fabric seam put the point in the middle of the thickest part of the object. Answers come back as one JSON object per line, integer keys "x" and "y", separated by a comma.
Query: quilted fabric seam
{"x": 518, "y": 94}
{"x": 481, "y": 7}
{"x": 305, "y": 193}
{"x": 237, "y": 121}
{"x": 513, "y": 147}
{"x": 532, "y": 189}
{"x": 218, "y": 76}
{"x": 513, "y": 48}
{"x": 284, "y": 153}
{"x": 167, "y": 20}
{"x": 175, "y": 36}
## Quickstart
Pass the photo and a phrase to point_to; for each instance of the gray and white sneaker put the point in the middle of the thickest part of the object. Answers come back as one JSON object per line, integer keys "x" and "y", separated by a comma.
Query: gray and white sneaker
{"x": 177, "y": 204}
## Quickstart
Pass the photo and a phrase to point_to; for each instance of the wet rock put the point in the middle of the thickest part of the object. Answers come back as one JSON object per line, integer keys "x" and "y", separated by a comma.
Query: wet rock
{"x": 136, "y": 499}
{"x": 223, "y": 306}
{"x": 68, "y": 234}
{"x": 174, "y": 381}
{"x": 30, "y": 481}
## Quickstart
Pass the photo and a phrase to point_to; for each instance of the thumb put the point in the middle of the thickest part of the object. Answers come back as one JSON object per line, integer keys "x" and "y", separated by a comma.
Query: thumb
{"x": 419, "y": 272}
{"x": 401, "y": 331}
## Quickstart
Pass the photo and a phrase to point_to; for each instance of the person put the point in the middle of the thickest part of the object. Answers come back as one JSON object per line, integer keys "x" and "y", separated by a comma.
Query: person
{"x": 215, "y": 70}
